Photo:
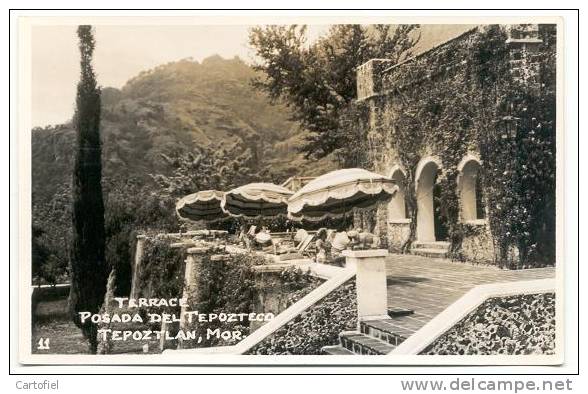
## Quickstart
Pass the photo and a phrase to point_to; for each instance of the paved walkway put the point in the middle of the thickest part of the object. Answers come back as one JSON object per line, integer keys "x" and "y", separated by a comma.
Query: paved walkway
{"x": 428, "y": 286}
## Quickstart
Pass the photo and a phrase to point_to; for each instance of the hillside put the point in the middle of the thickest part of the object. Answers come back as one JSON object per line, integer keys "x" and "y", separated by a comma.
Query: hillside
{"x": 170, "y": 110}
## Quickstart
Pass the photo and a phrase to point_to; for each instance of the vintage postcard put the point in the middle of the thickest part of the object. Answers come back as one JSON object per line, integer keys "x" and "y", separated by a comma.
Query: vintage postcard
{"x": 259, "y": 190}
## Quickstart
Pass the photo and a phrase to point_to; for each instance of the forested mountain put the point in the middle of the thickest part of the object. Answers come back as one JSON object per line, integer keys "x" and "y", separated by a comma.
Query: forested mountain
{"x": 171, "y": 110}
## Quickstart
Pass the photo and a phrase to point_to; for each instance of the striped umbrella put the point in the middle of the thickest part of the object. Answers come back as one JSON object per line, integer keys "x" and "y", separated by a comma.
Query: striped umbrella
{"x": 256, "y": 200}
{"x": 204, "y": 205}
{"x": 335, "y": 194}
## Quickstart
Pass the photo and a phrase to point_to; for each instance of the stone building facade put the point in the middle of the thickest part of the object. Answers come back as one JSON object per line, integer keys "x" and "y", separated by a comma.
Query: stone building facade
{"x": 381, "y": 88}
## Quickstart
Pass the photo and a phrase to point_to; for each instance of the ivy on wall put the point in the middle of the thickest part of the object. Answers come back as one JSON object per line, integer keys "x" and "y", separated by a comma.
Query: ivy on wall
{"x": 477, "y": 94}
{"x": 162, "y": 271}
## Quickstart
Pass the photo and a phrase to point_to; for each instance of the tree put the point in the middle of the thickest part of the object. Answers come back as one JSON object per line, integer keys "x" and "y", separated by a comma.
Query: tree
{"x": 39, "y": 253}
{"x": 132, "y": 209}
{"x": 216, "y": 167}
{"x": 318, "y": 81}
{"x": 52, "y": 235}
{"x": 89, "y": 270}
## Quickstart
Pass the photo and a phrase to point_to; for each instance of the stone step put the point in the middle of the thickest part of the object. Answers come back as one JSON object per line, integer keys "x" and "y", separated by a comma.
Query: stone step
{"x": 431, "y": 245}
{"x": 359, "y": 343}
{"x": 399, "y": 312}
{"x": 433, "y": 253}
{"x": 384, "y": 331}
{"x": 336, "y": 350}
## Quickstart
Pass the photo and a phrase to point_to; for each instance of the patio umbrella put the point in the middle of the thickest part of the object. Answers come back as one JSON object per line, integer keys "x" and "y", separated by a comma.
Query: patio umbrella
{"x": 204, "y": 205}
{"x": 335, "y": 194}
{"x": 256, "y": 200}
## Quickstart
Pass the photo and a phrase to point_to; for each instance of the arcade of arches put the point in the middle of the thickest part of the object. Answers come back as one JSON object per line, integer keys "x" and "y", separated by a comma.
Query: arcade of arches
{"x": 431, "y": 225}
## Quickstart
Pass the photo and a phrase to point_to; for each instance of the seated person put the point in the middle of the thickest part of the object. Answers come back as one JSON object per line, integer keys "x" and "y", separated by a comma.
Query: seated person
{"x": 330, "y": 245}
{"x": 300, "y": 236}
{"x": 244, "y": 237}
{"x": 341, "y": 241}
{"x": 263, "y": 238}
{"x": 323, "y": 246}
{"x": 252, "y": 231}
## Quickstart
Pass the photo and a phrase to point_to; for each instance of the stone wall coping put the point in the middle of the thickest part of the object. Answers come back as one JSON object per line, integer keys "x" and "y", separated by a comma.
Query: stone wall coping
{"x": 400, "y": 221}
{"x": 177, "y": 245}
{"x": 364, "y": 254}
{"x": 278, "y": 267}
{"x": 219, "y": 257}
{"x": 524, "y": 41}
{"x": 374, "y": 60}
{"x": 429, "y": 51}
{"x": 198, "y": 250}
{"x": 169, "y": 235}
{"x": 476, "y": 222}
{"x": 234, "y": 249}
{"x": 318, "y": 270}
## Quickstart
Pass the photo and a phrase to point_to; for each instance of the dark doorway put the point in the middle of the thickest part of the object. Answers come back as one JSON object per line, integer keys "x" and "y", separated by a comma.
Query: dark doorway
{"x": 440, "y": 220}
{"x": 480, "y": 210}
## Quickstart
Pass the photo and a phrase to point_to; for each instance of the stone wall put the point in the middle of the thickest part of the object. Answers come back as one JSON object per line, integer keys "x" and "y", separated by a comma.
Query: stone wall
{"x": 397, "y": 234}
{"x": 368, "y": 77}
{"x": 382, "y": 86}
{"x": 278, "y": 288}
{"x": 477, "y": 245}
{"x": 451, "y": 55}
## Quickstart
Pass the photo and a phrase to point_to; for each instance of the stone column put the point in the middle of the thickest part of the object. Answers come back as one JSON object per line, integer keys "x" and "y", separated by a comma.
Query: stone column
{"x": 369, "y": 77}
{"x": 171, "y": 328}
{"x": 371, "y": 286}
{"x": 137, "y": 265}
{"x": 523, "y": 42}
{"x": 192, "y": 290}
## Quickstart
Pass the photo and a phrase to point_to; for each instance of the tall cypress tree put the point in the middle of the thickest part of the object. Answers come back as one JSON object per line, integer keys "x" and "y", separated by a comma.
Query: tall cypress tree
{"x": 89, "y": 271}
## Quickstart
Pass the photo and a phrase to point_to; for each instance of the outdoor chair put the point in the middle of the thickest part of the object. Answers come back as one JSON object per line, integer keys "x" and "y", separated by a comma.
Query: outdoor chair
{"x": 300, "y": 251}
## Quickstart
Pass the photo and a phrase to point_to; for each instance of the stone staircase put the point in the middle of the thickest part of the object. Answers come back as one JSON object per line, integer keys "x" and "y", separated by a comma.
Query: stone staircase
{"x": 436, "y": 249}
{"x": 375, "y": 337}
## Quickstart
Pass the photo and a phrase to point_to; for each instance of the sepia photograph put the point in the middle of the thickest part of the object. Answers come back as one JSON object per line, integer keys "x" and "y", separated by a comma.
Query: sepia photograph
{"x": 313, "y": 187}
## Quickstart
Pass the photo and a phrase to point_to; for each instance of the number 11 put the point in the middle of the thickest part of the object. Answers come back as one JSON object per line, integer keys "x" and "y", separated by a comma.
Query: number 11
{"x": 43, "y": 344}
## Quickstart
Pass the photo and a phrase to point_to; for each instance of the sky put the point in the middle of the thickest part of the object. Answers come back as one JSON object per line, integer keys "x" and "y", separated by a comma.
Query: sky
{"x": 122, "y": 52}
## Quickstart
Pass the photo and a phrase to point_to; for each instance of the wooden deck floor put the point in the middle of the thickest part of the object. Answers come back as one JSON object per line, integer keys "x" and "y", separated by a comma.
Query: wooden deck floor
{"x": 428, "y": 286}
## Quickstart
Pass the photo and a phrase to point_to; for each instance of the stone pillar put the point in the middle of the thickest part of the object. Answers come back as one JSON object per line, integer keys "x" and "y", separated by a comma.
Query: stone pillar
{"x": 192, "y": 290}
{"x": 171, "y": 328}
{"x": 272, "y": 293}
{"x": 381, "y": 227}
{"x": 193, "y": 293}
{"x": 137, "y": 265}
{"x": 369, "y": 77}
{"x": 523, "y": 42}
{"x": 371, "y": 286}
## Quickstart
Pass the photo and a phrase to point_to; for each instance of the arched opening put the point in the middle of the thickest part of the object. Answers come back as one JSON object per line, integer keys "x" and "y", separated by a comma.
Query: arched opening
{"x": 431, "y": 225}
{"x": 471, "y": 192}
{"x": 397, "y": 205}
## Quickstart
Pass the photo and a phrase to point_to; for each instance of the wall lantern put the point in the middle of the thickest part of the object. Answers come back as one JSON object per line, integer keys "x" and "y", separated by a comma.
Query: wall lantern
{"x": 508, "y": 126}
